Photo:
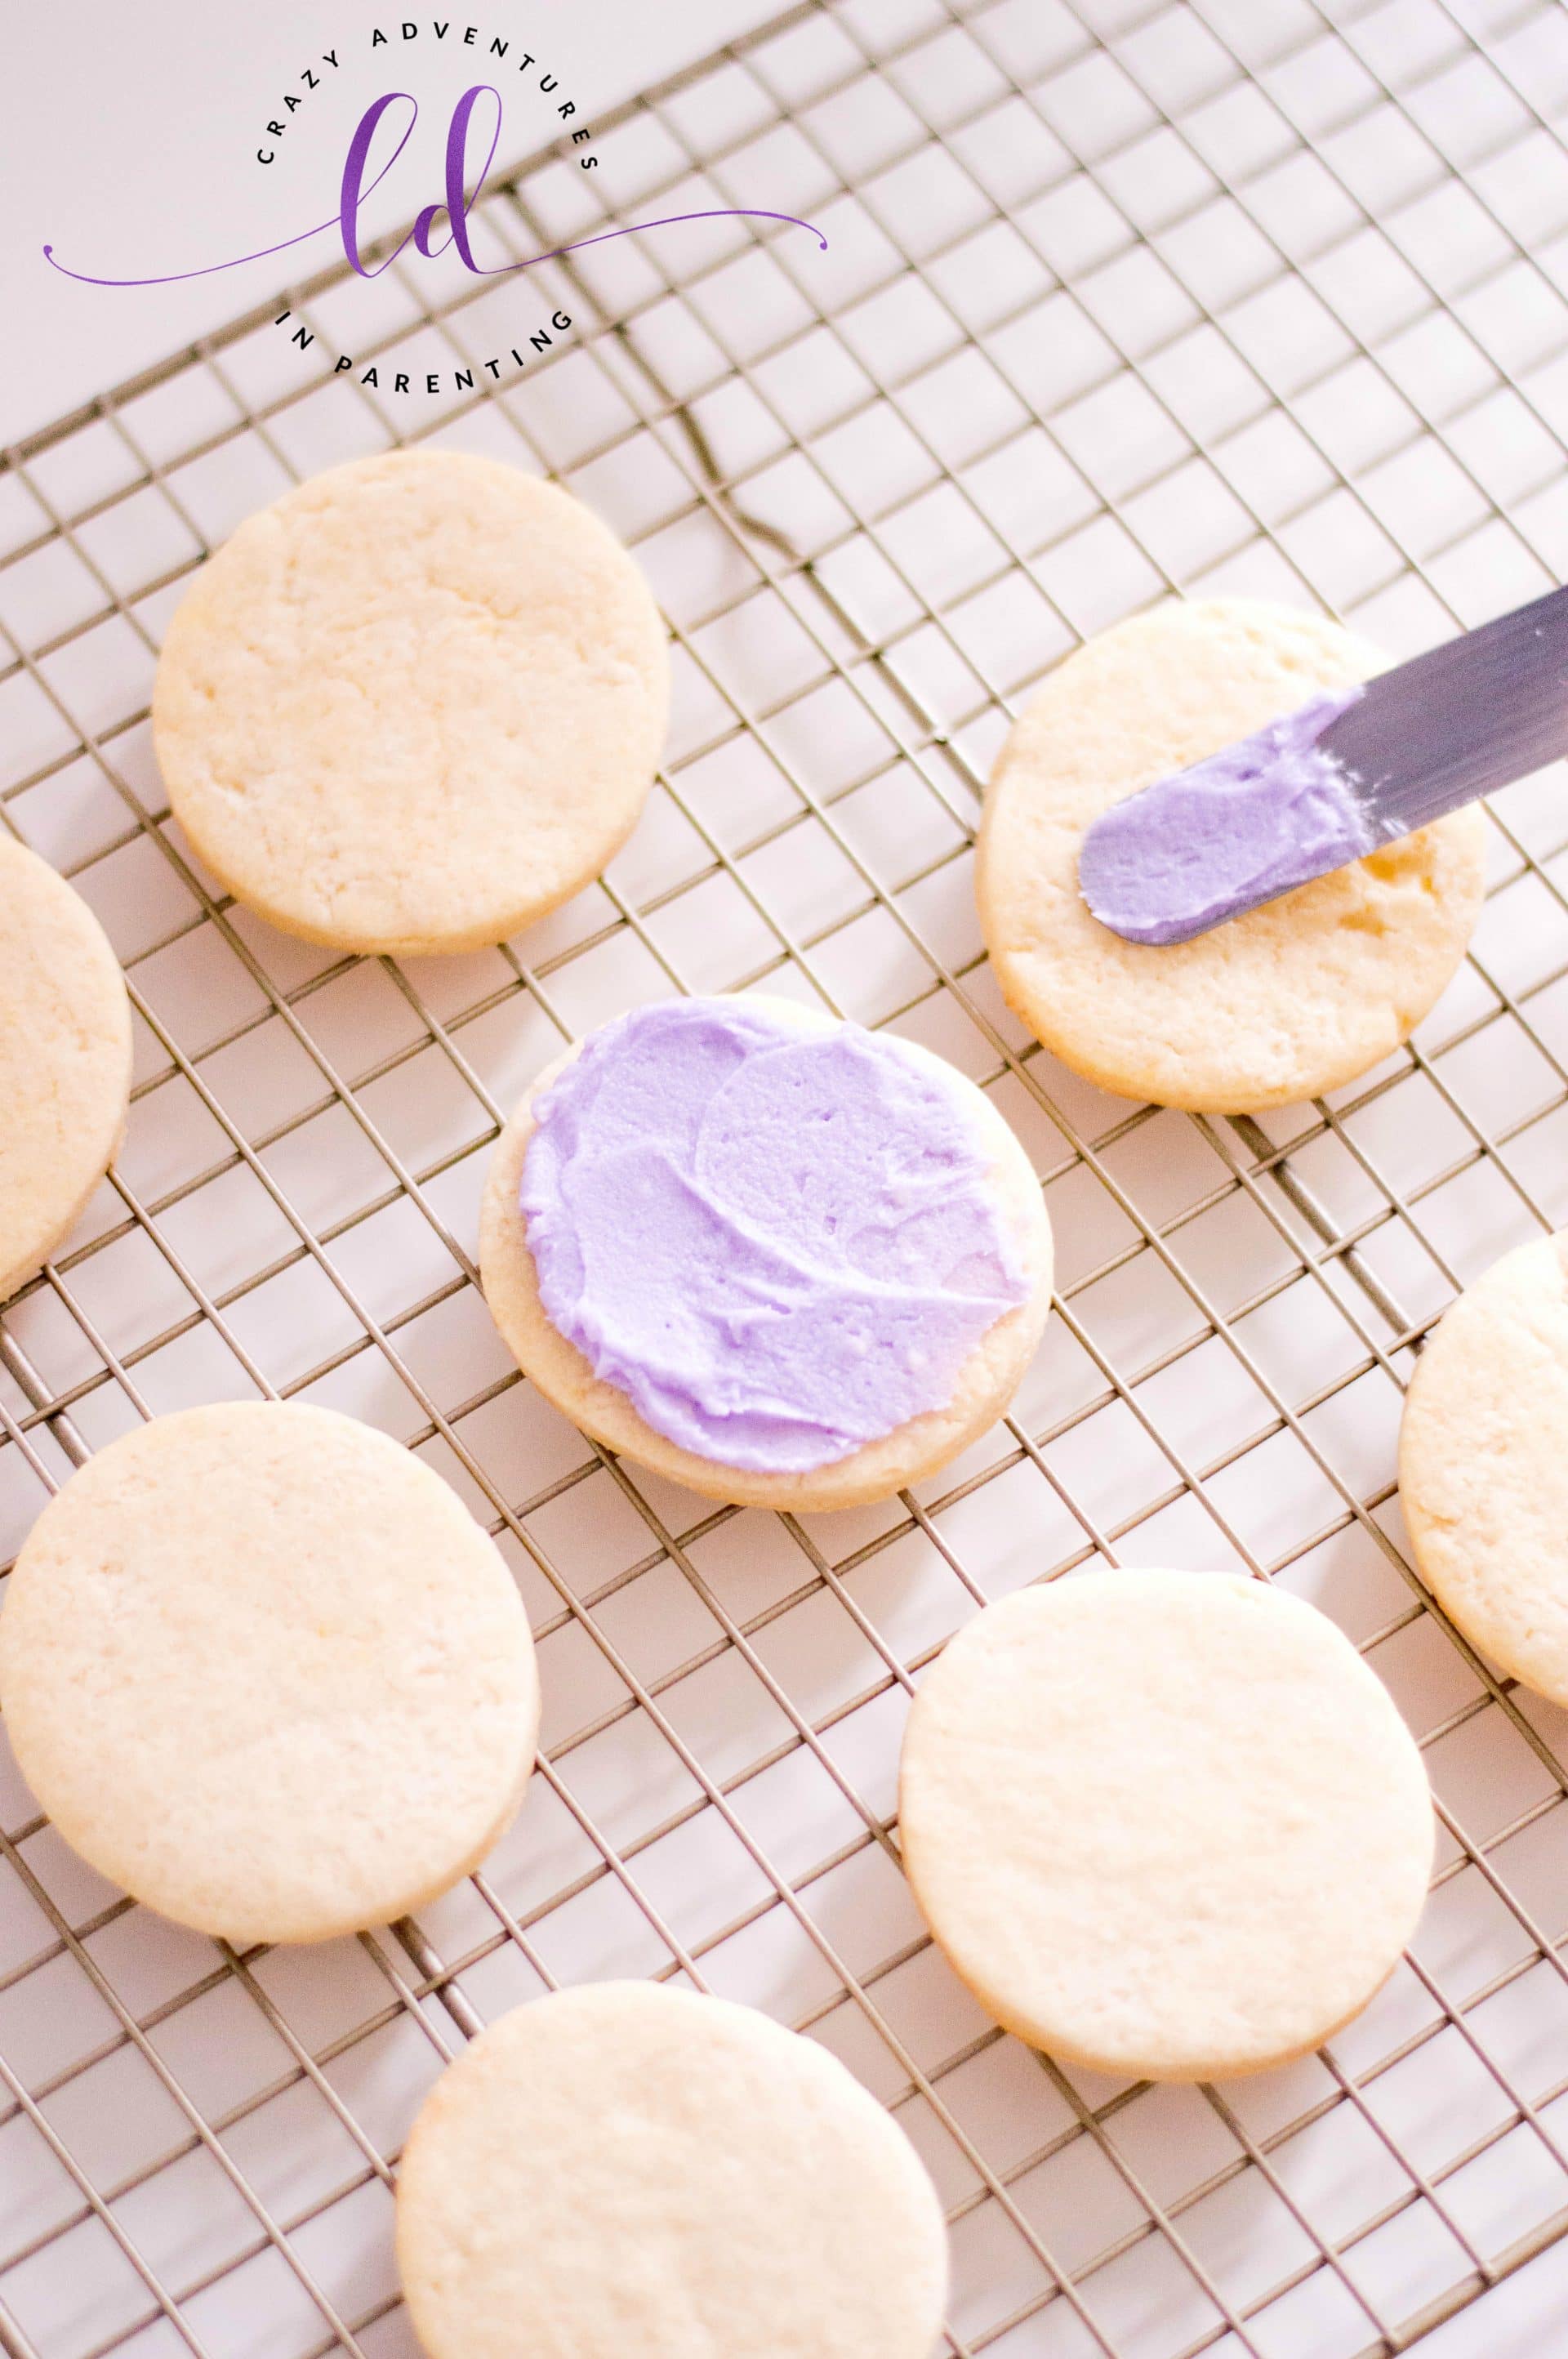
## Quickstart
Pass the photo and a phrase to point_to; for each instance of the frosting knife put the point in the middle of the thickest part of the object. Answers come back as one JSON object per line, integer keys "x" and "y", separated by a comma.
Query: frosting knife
{"x": 1324, "y": 785}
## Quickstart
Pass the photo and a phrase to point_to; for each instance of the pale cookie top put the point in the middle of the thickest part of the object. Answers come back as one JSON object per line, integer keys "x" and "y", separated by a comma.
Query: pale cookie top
{"x": 413, "y": 704}
{"x": 667, "y": 1303}
{"x": 1166, "y": 1824}
{"x": 1483, "y": 1463}
{"x": 65, "y": 1060}
{"x": 1273, "y": 1007}
{"x": 261, "y": 1667}
{"x": 624, "y": 2172}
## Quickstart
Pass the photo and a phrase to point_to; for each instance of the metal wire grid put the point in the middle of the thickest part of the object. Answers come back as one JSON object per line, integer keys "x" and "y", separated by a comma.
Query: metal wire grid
{"x": 1042, "y": 374}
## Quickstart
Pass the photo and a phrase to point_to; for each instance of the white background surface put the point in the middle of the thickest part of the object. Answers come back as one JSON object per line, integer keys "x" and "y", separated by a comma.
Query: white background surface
{"x": 128, "y": 142}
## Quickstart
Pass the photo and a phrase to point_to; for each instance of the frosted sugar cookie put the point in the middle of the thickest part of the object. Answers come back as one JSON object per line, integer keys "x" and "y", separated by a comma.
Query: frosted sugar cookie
{"x": 413, "y": 704}
{"x": 65, "y": 1060}
{"x": 261, "y": 1667}
{"x": 1276, "y": 1005}
{"x": 774, "y": 1257}
{"x": 1483, "y": 1467}
{"x": 623, "y": 2168}
{"x": 1164, "y": 1825}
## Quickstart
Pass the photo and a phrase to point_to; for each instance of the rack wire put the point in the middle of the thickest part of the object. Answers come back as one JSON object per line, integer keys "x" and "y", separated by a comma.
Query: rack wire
{"x": 1117, "y": 300}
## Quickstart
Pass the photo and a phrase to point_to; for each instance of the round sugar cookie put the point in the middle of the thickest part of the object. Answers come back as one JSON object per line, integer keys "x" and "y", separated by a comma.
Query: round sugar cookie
{"x": 1483, "y": 1469}
{"x": 414, "y": 704}
{"x": 625, "y": 2169}
{"x": 1164, "y": 1825}
{"x": 65, "y": 1060}
{"x": 1271, "y": 1008}
{"x": 261, "y": 1667}
{"x": 975, "y": 1393}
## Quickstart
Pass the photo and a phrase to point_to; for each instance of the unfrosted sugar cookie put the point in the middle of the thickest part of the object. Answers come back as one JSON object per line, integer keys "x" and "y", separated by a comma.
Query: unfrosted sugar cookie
{"x": 261, "y": 1667}
{"x": 65, "y": 1060}
{"x": 624, "y": 2170}
{"x": 413, "y": 704}
{"x": 1482, "y": 1466}
{"x": 1271, "y": 1008}
{"x": 779, "y": 1258}
{"x": 1165, "y": 1825}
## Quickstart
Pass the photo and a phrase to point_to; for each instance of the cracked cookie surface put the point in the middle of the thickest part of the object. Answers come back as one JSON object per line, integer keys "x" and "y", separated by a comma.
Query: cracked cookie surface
{"x": 65, "y": 1060}
{"x": 1483, "y": 1472}
{"x": 625, "y": 2171}
{"x": 414, "y": 704}
{"x": 1164, "y": 1825}
{"x": 262, "y": 1667}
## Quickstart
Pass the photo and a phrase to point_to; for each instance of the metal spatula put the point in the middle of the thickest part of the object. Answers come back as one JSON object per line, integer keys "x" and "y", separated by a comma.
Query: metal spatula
{"x": 1418, "y": 742}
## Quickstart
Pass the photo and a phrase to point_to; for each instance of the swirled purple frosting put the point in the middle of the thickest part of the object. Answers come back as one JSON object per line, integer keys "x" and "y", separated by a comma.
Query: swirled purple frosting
{"x": 779, "y": 1237}
{"x": 1250, "y": 822}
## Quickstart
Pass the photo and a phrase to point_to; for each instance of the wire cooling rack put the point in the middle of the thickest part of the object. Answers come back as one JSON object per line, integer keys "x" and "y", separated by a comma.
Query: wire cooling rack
{"x": 1260, "y": 299}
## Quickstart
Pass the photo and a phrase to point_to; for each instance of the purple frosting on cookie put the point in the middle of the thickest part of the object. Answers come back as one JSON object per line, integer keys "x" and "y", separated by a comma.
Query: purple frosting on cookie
{"x": 780, "y": 1239}
{"x": 1250, "y": 822}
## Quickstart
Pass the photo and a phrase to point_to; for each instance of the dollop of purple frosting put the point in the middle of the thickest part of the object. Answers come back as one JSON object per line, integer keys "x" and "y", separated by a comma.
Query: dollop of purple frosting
{"x": 1247, "y": 823}
{"x": 779, "y": 1237}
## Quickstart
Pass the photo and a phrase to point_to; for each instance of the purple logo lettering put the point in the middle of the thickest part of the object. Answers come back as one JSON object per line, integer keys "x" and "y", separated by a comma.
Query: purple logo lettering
{"x": 456, "y": 205}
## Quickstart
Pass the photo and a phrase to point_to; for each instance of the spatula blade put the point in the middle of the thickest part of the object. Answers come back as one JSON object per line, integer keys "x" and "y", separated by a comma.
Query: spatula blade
{"x": 1461, "y": 721}
{"x": 1304, "y": 795}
